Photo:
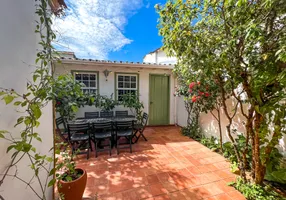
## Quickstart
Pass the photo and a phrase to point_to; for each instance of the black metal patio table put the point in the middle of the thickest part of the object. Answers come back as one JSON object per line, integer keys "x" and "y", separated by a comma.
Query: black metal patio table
{"x": 94, "y": 120}
{"x": 98, "y": 120}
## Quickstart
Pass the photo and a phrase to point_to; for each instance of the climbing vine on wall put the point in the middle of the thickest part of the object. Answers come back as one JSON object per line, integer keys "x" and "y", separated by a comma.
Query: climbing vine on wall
{"x": 22, "y": 145}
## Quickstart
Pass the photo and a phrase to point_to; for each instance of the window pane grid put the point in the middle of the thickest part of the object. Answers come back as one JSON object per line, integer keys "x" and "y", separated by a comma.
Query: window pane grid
{"x": 126, "y": 84}
{"x": 89, "y": 80}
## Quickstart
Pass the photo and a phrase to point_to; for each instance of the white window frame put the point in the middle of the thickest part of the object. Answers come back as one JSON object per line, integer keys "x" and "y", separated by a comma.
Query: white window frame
{"x": 88, "y": 88}
{"x": 123, "y": 88}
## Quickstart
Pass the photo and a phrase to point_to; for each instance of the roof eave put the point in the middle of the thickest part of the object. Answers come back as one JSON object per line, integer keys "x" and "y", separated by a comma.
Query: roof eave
{"x": 118, "y": 64}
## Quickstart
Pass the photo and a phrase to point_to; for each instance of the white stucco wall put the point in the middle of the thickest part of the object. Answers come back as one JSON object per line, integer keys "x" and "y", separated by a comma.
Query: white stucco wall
{"x": 159, "y": 57}
{"x": 107, "y": 87}
{"x": 18, "y": 44}
{"x": 210, "y": 126}
{"x": 182, "y": 114}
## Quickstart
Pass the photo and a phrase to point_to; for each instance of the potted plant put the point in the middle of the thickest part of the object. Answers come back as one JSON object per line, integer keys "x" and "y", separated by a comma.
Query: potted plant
{"x": 71, "y": 179}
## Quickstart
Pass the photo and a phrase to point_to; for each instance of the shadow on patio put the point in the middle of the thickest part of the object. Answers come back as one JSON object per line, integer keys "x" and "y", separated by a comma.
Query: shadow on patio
{"x": 167, "y": 166}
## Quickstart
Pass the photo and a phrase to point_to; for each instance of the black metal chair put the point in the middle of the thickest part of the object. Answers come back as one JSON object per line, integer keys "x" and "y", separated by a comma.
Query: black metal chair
{"x": 124, "y": 129}
{"x": 121, "y": 113}
{"x": 91, "y": 115}
{"x": 102, "y": 130}
{"x": 139, "y": 128}
{"x": 62, "y": 129}
{"x": 79, "y": 138}
{"x": 106, "y": 114}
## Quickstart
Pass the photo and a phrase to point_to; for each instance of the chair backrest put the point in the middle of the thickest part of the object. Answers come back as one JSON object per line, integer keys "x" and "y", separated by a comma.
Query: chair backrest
{"x": 106, "y": 114}
{"x": 77, "y": 128}
{"x": 145, "y": 119}
{"x": 102, "y": 125}
{"x": 60, "y": 121}
{"x": 121, "y": 113}
{"x": 124, "y": 124}
{"x": 91, "y": 115}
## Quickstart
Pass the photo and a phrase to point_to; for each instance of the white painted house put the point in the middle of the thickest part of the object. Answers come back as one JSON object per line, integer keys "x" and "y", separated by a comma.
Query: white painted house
{"x": 18, "y": 49}
{"x": 153, "y": 81}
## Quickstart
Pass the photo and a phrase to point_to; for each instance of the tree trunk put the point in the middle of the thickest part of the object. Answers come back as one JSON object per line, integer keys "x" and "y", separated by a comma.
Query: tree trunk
{"x": 189, "y": 111}
{"x": 249, "y": 134}
{"x": 259, "y": 169}
{"x": 219, "y": 126}
{"x": 228, "y": 128}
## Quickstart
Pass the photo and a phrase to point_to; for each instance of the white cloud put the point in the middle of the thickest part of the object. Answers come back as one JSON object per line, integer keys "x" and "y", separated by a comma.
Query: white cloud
{"x": 93, "y": 28}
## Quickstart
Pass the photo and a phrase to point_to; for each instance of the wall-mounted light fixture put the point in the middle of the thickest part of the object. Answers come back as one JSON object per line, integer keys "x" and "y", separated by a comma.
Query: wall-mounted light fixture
{"x": 106, "y": 73}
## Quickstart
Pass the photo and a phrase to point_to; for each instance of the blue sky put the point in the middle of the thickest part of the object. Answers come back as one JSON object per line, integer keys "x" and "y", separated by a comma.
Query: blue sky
{"x": 109, "y": 29}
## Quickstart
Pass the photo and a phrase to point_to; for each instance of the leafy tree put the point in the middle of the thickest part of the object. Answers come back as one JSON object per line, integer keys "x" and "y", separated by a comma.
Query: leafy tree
{"x": 242, "y": 43}
{"x": 132, "y": 101}
{"x": 68, "y": 96}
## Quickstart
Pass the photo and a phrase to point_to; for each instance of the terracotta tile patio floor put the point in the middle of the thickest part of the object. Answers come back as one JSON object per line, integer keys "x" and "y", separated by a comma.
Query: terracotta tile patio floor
{"x": 167, "y": 166}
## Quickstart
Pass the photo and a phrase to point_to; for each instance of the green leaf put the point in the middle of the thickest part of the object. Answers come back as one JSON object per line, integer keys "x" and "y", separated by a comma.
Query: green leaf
{"x": 27, "y": 121}
{"x": 42, "y": 20}
{"x": 52, "y": 172}
{"x": 39, "y": 139}
{"x": 52, "y": 182}
{"x": 2, "y": 93}
{"x": 8, "y": 99}
{"x": 27, "y": 147}
{"x": 2, "y": 132}
{"x": 49, "y": 159}
{"x": 9, "y": 148}
{"x": 35, "y": 76}
{"x": 17, "y": 103}
{"x": 33, "y": 149}
{"x": 36, "y": 111}
{"x": 24, "y": 103}
{"x": 68, "y": 178}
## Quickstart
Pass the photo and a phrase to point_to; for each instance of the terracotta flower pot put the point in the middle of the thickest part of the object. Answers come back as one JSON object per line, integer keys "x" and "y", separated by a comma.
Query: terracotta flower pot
{"x": 73, "y": 190}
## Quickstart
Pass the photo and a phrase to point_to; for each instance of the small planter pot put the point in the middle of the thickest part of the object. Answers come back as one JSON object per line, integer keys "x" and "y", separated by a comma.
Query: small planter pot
{"x": 73, "y": 190}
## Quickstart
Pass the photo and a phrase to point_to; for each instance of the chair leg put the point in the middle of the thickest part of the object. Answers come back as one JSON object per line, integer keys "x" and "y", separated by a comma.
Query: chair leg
{"x": 96, "y": 142}
{"x": 144, "y": 136}
{"x": 89, "y": 143}
{"x": 87, "y": 157}
{"x": 73, "y": 148}
{"x": 117, "y": 145}
{"x": 110, "y": 146}
{"x": 137, "y": 138}
{"x": 135, "y": 135}
{"x": 130, "y": 143}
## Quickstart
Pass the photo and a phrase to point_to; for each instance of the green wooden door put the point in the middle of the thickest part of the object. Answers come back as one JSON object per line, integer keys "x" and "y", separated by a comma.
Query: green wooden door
{"x": 159, "y": 100}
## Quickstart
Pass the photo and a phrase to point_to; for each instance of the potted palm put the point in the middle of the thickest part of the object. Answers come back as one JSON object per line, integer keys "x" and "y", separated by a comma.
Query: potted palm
{"x": 71, "y": 179}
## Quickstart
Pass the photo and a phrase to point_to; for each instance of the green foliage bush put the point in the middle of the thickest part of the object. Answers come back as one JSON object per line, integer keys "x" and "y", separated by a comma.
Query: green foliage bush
{"x": 211, "y": 143}
{"x": 106, "y": 103}
{"x": 133, "y": 102}
{"x": 276, "y": 170}
{"x": 68, "y": 95}
{"x": 228, "y": 150}
{"x": 193, "y": 131}
{"x": 256, "y": 192}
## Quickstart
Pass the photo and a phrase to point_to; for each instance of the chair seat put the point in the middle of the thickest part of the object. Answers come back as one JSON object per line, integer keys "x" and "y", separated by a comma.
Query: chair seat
{"x": 79, "y": 137}
{"x": 102, "y": 135}
{"x": 123, "y": 133}
{"x": 138, "y": 126}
